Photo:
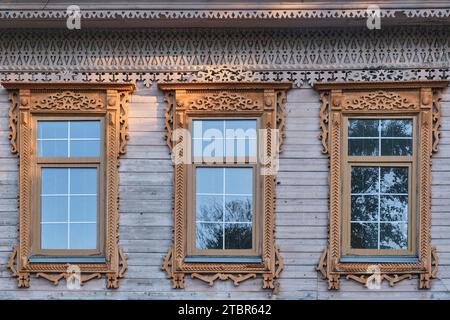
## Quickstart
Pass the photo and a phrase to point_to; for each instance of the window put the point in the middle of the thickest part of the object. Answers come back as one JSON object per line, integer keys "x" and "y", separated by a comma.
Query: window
{"x": 379, "y": 138}
{"x": 69, "y": 193}
{"x": 224, "y": 189}
{"x": 379, "y": 194}
{"x": 225, "y": 219}
{"x": 69, "y": 138}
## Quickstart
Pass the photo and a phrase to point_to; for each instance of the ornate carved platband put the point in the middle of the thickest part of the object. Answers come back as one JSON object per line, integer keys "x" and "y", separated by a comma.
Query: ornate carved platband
{"x": 421, "y": 99}
{"x": 78, "y": 99}
{"x": 263, "y": 100}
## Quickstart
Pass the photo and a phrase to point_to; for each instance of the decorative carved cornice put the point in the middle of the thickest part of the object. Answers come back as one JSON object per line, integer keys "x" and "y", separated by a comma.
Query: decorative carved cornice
{"x": 225, "y": 73}
{"x": 67, "y": 100}
{"x": 299, "y": 78}
{"x": 188, "y": 15}
{"x": 302, "y": 56}
{"x": 380, "y": 100}
{"x": 224, "y": 101}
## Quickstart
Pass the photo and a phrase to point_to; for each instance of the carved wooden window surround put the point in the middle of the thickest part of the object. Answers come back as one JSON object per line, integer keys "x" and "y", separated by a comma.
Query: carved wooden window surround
{"x": 262, "y": 101}
{"x": 415, "y": 100}
{"x": 68, "y": 101}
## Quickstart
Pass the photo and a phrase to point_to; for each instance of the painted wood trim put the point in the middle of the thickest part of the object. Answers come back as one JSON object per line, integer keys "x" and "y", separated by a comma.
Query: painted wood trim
{"x": 69, "y": 100}
{"x": 263, "y": 100}
{"x": 420, "y": 99}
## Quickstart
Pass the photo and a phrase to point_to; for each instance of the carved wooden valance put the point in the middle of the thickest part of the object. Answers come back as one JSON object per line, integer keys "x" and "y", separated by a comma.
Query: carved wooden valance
{"x": 67, "y": 99}
{"x": 417, "y": 99}
{"x": 236, "y": 99}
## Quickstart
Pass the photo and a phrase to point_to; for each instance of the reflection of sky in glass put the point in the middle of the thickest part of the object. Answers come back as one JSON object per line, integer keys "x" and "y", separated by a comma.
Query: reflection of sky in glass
{"x": 69, "y": 139}
{"x": 224, "y": 208}
{"x": 379, "y": 207}
{"x": 69, "y": 208}
{"x": 380, "y": 137}
{"x": 224, "y": 138}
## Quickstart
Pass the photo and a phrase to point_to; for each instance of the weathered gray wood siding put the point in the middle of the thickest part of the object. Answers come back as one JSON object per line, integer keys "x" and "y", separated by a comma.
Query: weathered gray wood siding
{"x": 145, "y": 214}
{"x": 145, "y": 221}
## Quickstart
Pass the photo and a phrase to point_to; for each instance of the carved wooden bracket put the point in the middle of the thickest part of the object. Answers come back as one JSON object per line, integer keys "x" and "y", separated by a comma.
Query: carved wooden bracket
{"x": 30, "y": 99}
{"x": 360, "y": 98}
{"x": 263, "y": 100}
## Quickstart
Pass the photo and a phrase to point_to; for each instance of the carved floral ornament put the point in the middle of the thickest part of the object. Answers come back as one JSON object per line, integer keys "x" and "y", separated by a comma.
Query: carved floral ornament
{"x": 264, "y": 100}
{"x": 380, "y": 98}
{"x": 31, "y": 99}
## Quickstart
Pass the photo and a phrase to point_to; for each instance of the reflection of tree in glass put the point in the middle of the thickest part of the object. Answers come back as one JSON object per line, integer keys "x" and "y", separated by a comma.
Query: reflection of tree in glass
{"x": 363, "y": 128}
{"x": 237, "y": 235}
{"x": 394, "y": 180}
{"x": 209, "y": 209}
{"x": 394, "y": 208}
{"x": 396, "y": 128}
{"x": 393, "y": 236}
{"x": 364, "y": 236}
{"x": 364, "y": 179}
{"x": 364, "y": 208}
{"x": 209, "y": 236}
{"x": 239, "y": 210}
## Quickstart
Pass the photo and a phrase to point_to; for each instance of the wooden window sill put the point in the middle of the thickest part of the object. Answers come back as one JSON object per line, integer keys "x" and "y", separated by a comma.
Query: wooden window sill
{"x": 223, "y": 259}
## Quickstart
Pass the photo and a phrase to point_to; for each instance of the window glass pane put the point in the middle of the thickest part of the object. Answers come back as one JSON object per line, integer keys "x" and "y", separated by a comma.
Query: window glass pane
{"x": 232, "y": 138}
{"x": 85, "y": 129}
{"x": 240, "y": 148}
{"x": 209, "y": 208}
{"x": 363, "y": 128}
{"x": 364, "y": 208}
{"x": 248, "y": 127}
{"x": 364, "y": 235}
{"x": 209, "y": 180}
{"x": 54, "y": 208}
{"x": 396, "y": 128}
{"x": 238, "y": 209}
{"x": 69, "y": 139}
{"x": 54, "y": 236}
{"x": 239, "y": 181}
{"x": 394, "y": 208}
{"x": 208, "y": 127}
{"x": 365, "y": 180}
{"x": 224, "y": 196}
{"x": 240, "y": 138}
{"x": 83, "y": 208}
{"x": 209, "y": 236}
{"x": 52, "y": 130}
{"x": 69, "y": 208}
{"x": 54, "y": 181}
{"x": 83, "y": 181}
{"x": 83, "y": 236}
{"x": 380, "y": 137}
{"x": 238, "y": 236}
{"x": 208, "y": 138}
{"x": 53, "y": 148}
{"x": 394, "y": 236}
{"x": 372, "y": 207}
{"x": 84, "y": 148}
{"x": 363, "y": 147}
{"x": 396, "y": 147}
{"x": 394, "y": 180}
